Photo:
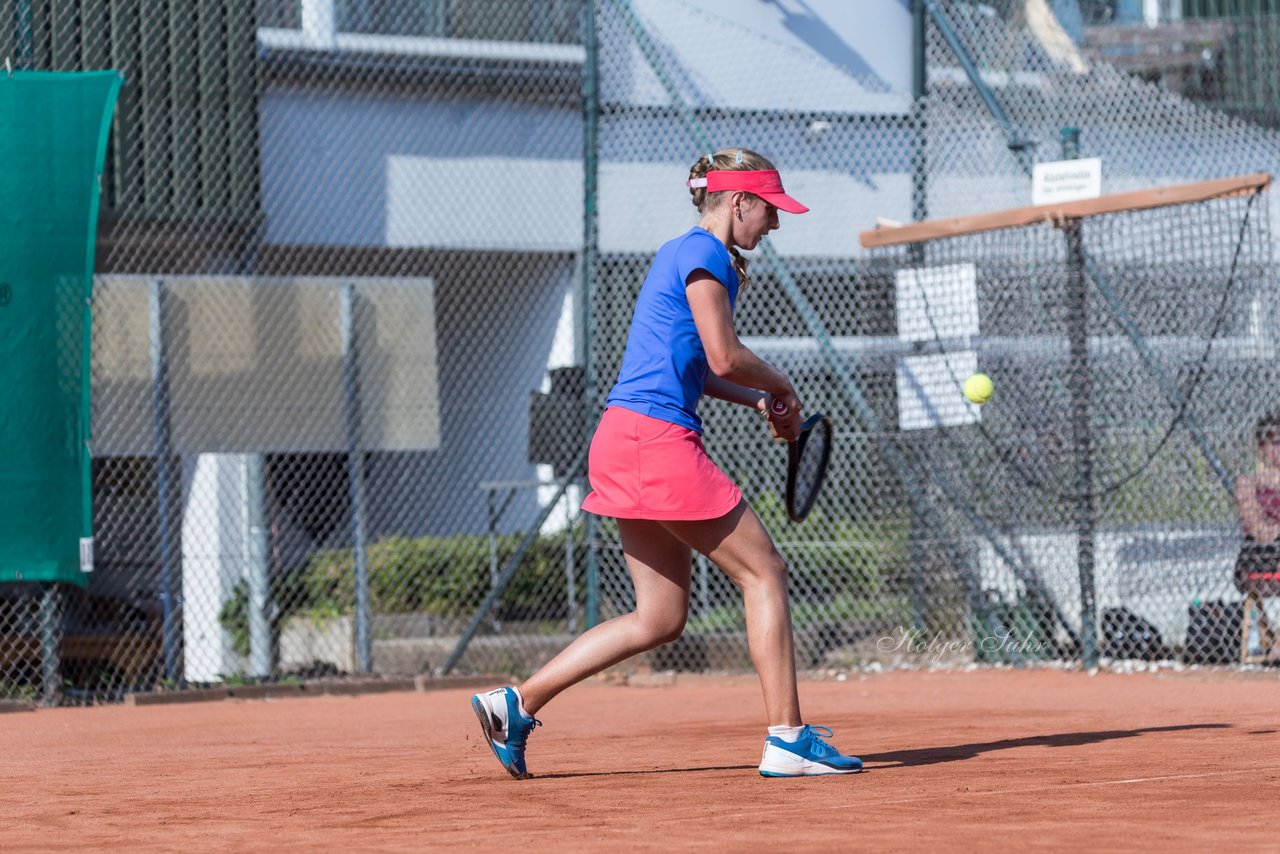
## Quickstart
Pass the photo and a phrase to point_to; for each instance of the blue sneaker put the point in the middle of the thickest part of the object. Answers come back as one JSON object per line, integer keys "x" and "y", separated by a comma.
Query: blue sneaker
{"x": 506, "y": 729}
{"x": 807, "y": 756}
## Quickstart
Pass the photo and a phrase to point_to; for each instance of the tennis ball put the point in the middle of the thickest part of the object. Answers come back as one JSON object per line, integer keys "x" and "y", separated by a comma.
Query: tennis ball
{"x": 979, "y": 388}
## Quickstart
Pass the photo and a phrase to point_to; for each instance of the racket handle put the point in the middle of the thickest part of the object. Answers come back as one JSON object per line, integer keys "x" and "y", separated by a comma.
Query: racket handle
{"x": 778, "y": 406}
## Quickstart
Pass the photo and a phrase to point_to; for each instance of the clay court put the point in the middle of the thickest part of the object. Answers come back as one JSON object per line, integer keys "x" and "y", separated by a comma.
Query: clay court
{"x": 1045, "y": 759}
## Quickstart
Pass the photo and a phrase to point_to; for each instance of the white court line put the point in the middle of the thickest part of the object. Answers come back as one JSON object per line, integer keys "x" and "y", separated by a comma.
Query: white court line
{"x": 934, "y": 797}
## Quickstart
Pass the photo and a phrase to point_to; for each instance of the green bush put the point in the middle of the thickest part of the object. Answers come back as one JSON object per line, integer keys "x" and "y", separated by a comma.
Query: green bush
{"x": 841, "y": 569}
{"x": 832, "y": 558}
{"x": 445, "y": 576}
{"x": 436, "y": 575}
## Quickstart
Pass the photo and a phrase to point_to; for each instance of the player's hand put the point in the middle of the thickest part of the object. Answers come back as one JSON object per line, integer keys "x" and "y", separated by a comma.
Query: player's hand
{"x": 784, "y": 416}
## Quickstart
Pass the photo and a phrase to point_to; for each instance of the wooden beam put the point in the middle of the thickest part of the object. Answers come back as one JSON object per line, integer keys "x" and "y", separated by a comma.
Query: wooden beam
{"x": 1179, "y": 194}
{"x": 1170, "y": 34}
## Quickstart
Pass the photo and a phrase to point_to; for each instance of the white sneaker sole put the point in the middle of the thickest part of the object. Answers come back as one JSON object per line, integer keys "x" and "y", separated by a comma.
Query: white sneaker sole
{"x": 779, "y": 763}
{"x": 483, "y": 711}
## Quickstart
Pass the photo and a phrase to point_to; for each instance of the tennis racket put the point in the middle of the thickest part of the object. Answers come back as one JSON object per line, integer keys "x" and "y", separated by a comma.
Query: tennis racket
{"x": 807, "y": 459}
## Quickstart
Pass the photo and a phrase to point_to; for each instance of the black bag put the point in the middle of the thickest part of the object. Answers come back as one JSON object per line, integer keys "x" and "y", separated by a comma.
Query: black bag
{"x": 1254, "y": 559}
{"x": 1126, "y": 635}
{"x": 1213, "y": 633}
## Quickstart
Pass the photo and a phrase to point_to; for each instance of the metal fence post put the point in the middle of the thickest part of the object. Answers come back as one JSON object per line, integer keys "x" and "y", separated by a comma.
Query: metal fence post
{"x": 1070, "y": 143}
{"x": 157, "y": 310}
{"x": 355, "y": 474}
{"x": 590, "y": 247}
{"x": 50, "y": 641}
{"x": 917, "y": 533}
{"x": 919, "y": 91}
{"x": 1078, "y": 381}
{"x": 258, "y": 576}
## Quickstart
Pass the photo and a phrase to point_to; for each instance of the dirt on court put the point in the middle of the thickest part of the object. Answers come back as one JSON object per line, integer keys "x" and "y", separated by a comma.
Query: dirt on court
{"x": 956, "y": 761}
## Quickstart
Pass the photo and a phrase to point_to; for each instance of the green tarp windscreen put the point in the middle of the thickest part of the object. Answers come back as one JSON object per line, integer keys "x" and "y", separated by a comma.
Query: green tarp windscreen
{"x": 53, "y": 136}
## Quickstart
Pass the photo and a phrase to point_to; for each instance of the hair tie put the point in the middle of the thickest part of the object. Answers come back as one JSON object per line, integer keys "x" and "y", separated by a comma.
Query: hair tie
{"x": 694, "y": 183}
{"x": 737, "y": 158}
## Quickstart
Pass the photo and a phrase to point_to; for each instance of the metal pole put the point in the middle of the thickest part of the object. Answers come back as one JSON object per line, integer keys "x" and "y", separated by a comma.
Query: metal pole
{"x": 1070, "y": 137}
{"x": 590, "y": 259}
{"x": 513, "y": 563}
{"x": 917, "y": 548}
{"x": 50, "y": 640}
{"x": 24, "y": 47}
{"x": 570, "y": 582}
{"x": 260, "y": 642}
{"x": 919, "y": 91}
{"x": 704, "y": 591}
{"x": 1078, "y": 381}
{"x": 493, "y": 538}
{"x": 157, "y": 310}
{"x": 355, "y": 475}
{"x": 1016, "y": 143}
{"x": 916, "y": 537}
{"x": 650, "y": 52}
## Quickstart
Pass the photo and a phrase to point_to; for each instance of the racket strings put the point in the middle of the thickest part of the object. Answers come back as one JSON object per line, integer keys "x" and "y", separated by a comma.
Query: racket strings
{"x": 810, "y": 466}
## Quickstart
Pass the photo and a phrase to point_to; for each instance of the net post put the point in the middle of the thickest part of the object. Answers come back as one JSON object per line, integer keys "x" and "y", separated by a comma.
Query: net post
{"x": 1079, "y": 382}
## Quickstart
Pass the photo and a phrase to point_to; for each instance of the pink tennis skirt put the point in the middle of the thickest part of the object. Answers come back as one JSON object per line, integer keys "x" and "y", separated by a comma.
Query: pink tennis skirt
{"x": 645, "y": 468}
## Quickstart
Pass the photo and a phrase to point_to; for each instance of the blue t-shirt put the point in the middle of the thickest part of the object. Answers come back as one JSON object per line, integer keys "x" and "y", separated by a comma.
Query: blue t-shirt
{"x": 664, "y": 368}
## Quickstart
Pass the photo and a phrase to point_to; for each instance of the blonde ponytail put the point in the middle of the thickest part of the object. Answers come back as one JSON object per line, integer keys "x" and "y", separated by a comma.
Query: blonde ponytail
{"x": 696, "y": 172}
{"x": 739, "y": 267}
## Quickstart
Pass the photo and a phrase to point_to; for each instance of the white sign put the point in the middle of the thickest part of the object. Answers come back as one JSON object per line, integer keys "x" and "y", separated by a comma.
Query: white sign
{"x": 929, "y": 392}
{"x": 937, "y": 302}
{"x": 1066, "y": 181}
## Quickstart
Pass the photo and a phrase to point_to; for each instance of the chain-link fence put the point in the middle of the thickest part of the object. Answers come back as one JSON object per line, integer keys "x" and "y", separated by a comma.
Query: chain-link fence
{"x": 349, "y": 346}
{"x": 1129, "y": 348}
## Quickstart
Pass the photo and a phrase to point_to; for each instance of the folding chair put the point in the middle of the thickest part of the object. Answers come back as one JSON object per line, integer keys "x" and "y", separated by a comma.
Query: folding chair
{"x": 1258, "y": 586}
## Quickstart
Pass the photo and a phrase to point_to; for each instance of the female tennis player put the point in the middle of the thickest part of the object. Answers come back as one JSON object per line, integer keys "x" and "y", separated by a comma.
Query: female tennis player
{"x": 648, "y": 469}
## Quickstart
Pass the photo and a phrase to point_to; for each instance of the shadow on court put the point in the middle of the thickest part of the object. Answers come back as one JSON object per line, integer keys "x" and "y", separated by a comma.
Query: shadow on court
{"x": 571, "y": 774}
{"x": 954, "y": 753}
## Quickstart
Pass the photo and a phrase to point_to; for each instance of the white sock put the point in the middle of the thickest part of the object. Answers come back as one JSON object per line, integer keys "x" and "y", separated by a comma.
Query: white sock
{"x": 786, "y": 733}
{"x": 520, "y": 704}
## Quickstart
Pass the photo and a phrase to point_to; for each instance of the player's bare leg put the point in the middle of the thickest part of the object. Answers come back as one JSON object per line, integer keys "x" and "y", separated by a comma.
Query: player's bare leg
{"x": 660, "y": 567}
{"x": 739, "y": 544}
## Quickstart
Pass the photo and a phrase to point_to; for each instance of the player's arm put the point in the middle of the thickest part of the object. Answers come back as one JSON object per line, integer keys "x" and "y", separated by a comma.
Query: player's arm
{"x": 722, "y": 389}
{"x": 728, "y": 358}
{"x": 741, "y": 371}
{"x": 1252, "y": 516}
{"x": 758, "y": 400}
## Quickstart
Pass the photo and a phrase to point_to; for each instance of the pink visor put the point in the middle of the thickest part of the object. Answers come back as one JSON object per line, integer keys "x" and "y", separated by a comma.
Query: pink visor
{"x": 764, "y": 183}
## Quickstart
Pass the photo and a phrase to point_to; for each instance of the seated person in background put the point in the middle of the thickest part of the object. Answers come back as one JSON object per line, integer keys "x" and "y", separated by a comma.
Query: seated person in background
{"x": 1258, "y": 503}
{"x": 1258, "y": 495}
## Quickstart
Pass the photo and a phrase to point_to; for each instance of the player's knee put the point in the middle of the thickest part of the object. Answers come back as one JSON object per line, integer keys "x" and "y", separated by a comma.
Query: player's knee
{"x": 662, "y": 628}
{"x": 772, "y": 568}
{"x": 764, "y": 570}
